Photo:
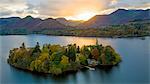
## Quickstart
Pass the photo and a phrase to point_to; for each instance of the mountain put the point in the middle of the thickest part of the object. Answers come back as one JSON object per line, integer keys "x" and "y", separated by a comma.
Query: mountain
{"x": 120, "y": 16}
{"x": 69, "y": 22}
{"x": 8, "y": 21}
{"x": 30, "y": 23}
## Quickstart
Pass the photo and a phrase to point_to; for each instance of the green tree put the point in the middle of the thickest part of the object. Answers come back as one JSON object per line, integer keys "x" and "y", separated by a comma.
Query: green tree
{"x": 86, "y": 51}
{"x": 78, "y": 49}
{"x": 36, "y": 51}
{"x": 37, "y": 48}
{"x": 23, "y": 46}
{"x": 81, "y": 59}
{"x": 71, "y": 52}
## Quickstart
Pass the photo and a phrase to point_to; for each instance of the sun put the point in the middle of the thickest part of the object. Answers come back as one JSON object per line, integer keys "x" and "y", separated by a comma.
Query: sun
{"x": 83, "y": 16}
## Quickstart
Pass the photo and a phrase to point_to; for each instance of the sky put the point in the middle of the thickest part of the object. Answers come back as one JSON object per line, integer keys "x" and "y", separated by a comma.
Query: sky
{"x": 70, "y": 9}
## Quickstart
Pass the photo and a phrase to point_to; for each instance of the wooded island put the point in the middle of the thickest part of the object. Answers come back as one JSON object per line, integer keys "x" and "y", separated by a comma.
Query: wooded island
{"x": 56, "y": 59}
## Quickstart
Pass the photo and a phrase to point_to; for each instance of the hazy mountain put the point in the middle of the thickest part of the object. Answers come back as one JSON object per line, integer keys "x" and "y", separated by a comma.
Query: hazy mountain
{"x": 120, "y": 16}
{"x": 69, "y": 22}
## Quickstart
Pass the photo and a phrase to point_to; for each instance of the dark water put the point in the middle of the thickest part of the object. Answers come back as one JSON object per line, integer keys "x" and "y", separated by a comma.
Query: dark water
{"x": 134, "y": 69}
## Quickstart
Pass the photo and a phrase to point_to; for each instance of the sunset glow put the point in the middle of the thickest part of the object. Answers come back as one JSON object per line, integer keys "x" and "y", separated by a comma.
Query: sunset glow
{"x": 83, "y": 16}
{"x": 70, "y": 9}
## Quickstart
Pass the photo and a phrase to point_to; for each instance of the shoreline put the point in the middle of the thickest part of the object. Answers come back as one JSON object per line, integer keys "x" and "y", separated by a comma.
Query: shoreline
{"x": 80, "y": 36}
{"x": 64, "y": 72}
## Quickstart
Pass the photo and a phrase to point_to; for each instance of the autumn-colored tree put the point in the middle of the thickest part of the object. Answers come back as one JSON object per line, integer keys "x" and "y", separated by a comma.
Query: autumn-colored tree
{"x": 95, "y": 53}
{"x": 56, "y": 59}
{"x": 103, "y": 59}
{"x": 55, "y": 48}
{"x": 64, "y": 60}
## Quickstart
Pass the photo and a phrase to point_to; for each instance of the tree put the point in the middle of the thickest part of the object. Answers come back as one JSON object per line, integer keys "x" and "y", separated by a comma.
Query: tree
{"x": 82, "y": 59}
{"x": 45, "y": 48}
{"x": 96, "y": 41}
{"x": 55, "y": 48}
{"x": 43, "y": 56}
{"x": 71, "y": 52}
{"x": 36, "y": 51}
{"x": 38, "y": 65}
{"x": 56, "y": 59}
{"x": 46, "y": 64}
{"x": 37, "y": 47}
{"x": 23, "y": 45}
{"x": 85, "y": 50}
{"x": 78, "y": 49}
{"x": 55, "y": 70}
{"x": 102, "y": 59}
{"x": 64, "y": 60}
{"x": 32, "y": 68}
{"x": 100, "y": 48}
{"x": 95, "y": 53}
{"x": 109, "y": 54}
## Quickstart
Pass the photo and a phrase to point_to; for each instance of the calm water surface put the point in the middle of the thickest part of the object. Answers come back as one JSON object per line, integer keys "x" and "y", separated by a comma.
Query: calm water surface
{"x": 134, "y": 69}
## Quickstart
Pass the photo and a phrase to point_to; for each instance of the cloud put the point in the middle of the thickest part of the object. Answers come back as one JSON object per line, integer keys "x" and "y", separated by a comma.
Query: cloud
{"x": 11, "y": 7}
{"x": 19, "y": 8}
{"x": 5, "y": 13}
{"x": 64, "y": 8}
{"x": 70, "y": 7}
{"x": 130, "y": 3}
{"x": 113, "y": 2}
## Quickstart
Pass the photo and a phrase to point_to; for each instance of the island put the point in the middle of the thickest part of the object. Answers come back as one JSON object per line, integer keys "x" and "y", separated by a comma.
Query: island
{"x": 56, "y": 59}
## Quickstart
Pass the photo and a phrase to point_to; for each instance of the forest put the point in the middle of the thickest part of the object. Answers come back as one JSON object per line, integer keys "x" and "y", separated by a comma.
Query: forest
{"x": 56, "y": 59}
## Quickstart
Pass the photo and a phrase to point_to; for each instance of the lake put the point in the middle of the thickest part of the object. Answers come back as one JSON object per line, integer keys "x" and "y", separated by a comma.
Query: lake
{"x": 134, "y": 69}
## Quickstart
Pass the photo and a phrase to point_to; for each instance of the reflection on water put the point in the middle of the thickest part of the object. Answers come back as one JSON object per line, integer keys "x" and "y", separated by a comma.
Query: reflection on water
{"x": 81, "y": 41}
{"x": 133, "y": 69}
{"x": 16, "y": 41}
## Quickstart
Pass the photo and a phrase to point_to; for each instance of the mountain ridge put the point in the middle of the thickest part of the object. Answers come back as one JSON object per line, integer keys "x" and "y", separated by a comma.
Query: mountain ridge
{"x": 120, "y": 16}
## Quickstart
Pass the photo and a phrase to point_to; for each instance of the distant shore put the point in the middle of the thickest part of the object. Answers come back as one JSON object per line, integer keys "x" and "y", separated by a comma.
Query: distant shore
{"x": 82, "y": 36}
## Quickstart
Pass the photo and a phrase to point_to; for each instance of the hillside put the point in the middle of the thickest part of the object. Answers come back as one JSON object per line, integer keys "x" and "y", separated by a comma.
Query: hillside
{"x": 120, "y": 16}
